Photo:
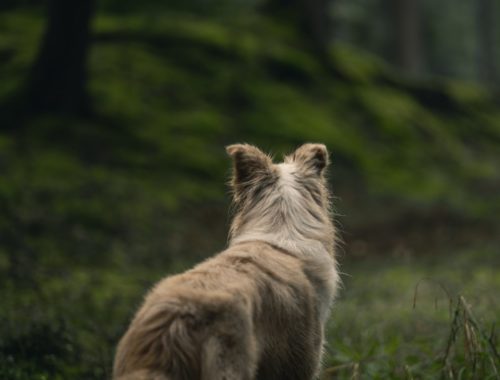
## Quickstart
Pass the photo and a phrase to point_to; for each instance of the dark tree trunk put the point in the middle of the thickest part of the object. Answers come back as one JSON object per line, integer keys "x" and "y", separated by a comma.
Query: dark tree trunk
{"x": 57, "y": 82}
{"x": 485, "y": 19}
{"x": 317, "y": 23}
{"x": 311, "y": 17}
{"x": 407, "y": 35}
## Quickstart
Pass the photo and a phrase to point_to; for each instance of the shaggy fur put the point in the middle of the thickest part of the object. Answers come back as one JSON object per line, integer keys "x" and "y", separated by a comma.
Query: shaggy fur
{"x": 256, "y": 310}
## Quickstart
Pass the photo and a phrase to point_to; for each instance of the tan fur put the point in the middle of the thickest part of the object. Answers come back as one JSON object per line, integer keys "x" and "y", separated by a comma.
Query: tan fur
{"x": 256, "y": 310}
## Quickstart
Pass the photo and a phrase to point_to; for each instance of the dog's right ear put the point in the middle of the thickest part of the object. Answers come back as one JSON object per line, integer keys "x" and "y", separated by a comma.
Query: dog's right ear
{"x": 249, "y": 164}
{"x": 312, "y": 158}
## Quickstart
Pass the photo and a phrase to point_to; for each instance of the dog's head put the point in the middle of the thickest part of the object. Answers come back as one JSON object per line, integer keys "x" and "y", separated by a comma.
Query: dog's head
{"x": 291, "y": 194}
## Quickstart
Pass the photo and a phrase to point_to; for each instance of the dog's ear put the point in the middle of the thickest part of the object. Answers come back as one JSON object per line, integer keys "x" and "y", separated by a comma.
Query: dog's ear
{"x": 249, "y": 164}
{"x": 312, "y": 158}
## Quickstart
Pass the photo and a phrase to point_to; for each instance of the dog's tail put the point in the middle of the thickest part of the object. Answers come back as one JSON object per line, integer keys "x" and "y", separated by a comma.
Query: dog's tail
{"x": 189, "y": 337}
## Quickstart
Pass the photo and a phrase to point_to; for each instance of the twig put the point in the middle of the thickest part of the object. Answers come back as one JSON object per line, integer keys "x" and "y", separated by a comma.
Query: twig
{"x": 355, "y": 372}
{"x": 408, "y": 372}
{"x": 488, "y": 339}
{"x": 451, "y": 340}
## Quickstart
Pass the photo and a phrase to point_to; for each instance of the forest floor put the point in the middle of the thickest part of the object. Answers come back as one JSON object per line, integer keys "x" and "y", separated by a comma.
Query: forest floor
{"x": 396, "y": 317}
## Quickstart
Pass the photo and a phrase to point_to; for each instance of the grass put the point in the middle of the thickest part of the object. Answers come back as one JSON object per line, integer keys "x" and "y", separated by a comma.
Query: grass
{"x": 425, "y": 318}
{"x": 414, "y": 318}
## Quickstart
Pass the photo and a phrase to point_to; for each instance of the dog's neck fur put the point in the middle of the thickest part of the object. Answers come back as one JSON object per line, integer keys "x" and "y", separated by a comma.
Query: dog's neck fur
{"x": 285, "y": 219}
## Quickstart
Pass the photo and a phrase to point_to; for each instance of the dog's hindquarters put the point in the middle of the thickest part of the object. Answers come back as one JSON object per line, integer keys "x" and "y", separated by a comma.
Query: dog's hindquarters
{"x": 188, "y": 336}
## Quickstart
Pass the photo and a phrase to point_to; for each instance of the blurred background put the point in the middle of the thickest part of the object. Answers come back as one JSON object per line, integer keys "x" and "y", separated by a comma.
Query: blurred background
{"x": 114, "y": 115}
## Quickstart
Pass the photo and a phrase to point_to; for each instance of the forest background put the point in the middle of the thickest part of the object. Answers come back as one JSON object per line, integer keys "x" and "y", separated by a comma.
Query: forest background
{"x": 114, "y": 115}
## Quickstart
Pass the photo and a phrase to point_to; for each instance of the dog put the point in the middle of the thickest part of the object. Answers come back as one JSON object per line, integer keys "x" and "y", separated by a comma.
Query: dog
{"x": 258, "y": 309}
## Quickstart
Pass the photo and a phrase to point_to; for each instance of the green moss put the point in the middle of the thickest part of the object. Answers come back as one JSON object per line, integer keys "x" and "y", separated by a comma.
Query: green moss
{"x": 356, "y": 65}
{"x": 467, "y": 93}
{"x": 393, "y": 111}
{"x": 189, "y": 29}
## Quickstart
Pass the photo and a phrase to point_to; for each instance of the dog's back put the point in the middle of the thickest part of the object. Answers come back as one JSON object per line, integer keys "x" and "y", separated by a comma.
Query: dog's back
{"x": 250, "y": 311}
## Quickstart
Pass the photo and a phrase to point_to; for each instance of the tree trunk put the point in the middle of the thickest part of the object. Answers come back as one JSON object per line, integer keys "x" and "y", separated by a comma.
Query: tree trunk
{"x": 311, "y": 18}
{"x": 407, "y": 35}
{"x": 485, "y": 19}
{"x": 57, "y": 82}
{"x": 317, "y": 23}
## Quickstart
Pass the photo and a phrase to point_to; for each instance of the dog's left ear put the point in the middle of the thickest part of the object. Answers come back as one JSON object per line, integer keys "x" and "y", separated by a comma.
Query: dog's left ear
{"x": 250, "y": 164}
{"x": 312, "y": 158}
